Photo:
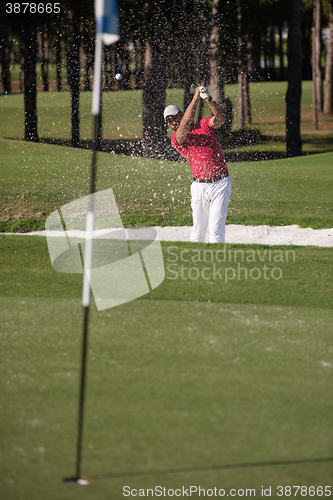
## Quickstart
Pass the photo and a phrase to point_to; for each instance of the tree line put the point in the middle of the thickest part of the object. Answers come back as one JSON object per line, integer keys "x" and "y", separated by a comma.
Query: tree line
{"x": 173, "y": 43}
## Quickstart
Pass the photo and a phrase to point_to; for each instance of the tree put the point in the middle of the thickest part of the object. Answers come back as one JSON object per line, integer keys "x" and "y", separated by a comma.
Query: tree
{"x": 5, "y": 63}
{"x": 216, "y": 82}
{"x": 217, "y": 72}
{"x": 316, "y": 69}
{"x": 154, "y": 87}
{"x": 74, "y": 69}
{"x": 244, "y": 110}
{"x": 328, "y": 102}
{"x": 294, "y": 92}
{"x": 306, "y": 31}
{"x": 77, "y": 13}
{"x": 188, "y": 50}
{"x": 58, "y": 63}
{"x": 30, "y": 86}
{"x": 26, "y": 25}
{"x": 281, "y": 54}
{"x": 43, "y": 58}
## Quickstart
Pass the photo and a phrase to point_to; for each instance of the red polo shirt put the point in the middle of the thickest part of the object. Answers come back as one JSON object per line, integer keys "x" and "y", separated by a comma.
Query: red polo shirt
{"x": 202, "y": 150}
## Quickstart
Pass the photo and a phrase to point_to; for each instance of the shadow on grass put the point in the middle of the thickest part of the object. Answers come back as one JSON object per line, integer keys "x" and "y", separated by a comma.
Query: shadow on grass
{"x": 214, "y": 467}
{"x": 233, "y": 151}
{"x": 137, "y": 148}
{"x": 126, "y": 147}
{"x": 322, "y": 141}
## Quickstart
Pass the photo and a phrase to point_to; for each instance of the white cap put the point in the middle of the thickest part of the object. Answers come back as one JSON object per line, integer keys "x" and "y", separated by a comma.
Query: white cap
{"x": 171, "y": 111}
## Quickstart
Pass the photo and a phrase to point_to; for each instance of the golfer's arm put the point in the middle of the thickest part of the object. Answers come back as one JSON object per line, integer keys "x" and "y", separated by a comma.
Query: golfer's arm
{"x": 187, "y": 120}
{"x": 219, "y": 116}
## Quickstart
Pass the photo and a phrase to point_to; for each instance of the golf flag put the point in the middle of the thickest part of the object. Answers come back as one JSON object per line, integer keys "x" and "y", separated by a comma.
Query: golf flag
{"x": 107, "y": 32}
{"x": 107, "y": 20}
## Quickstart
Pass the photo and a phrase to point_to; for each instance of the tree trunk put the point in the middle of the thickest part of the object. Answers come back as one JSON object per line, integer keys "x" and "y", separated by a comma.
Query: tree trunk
{"x": 281, "y": 55}
{"x": 125, "y": 63}
{"x": 203, "y": 62}
{"x": 241, "y": 117}
{"x": 266, "y": 73}
{"x": 216, "y": 73}
{"x": 189, "y": 53}
{"x": 147, "y": 108}
{"x": 216, "y": 82}
{"x": 244, "y": 114}
{"x": 58, "y": 64}
{"x": 119, "y": 64}
{"x": 108, "y": 69}
{"x": 30, "y": 86}
{"x": 138, "y": 66}
{"x": 272, "y": 54}
{"x": 247, "y": 101}
{"x": 86, "y": 65}
{"x": 113, "y": 66}
{"x": 105, "y": 87}
{"x": 316, "y": 69}
{"x": 69, "y": 67}
{"x": 243, "y": 99}
{"x": 306, "y": 30}
{"x": 294, "y": 92}
{"x": 5, "y": 62}
{"x": 43, "y": 59}
{"x": 328, "y": 102}
{"x": 22, "y": 62}
{"x": 154, "y": 89}
{"x": 75, "y": 80}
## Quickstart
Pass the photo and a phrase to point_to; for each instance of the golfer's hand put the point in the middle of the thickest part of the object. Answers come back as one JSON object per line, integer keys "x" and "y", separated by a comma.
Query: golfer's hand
{"x": 197, "y": 93}
{"x": 204, "y": 93}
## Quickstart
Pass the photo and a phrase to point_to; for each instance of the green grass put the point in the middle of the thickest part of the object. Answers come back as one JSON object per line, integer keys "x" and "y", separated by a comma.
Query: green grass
{"x": 194, "y": 383}
{"x": 38, "y": 178}
{"x": 199, "y": 272}
{"x": 175, "y": 382}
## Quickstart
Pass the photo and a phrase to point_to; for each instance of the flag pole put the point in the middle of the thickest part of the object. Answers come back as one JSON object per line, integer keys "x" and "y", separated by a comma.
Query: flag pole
{"x": 107, "y": 31}
{"x": 88, "y": 254}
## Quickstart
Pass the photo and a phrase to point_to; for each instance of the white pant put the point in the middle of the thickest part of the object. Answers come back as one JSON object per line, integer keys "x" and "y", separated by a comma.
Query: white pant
{"x": 209, "y": 204}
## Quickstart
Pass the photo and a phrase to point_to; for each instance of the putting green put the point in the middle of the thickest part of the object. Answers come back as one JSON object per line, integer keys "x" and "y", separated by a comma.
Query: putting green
{"x": 171, "y": 385}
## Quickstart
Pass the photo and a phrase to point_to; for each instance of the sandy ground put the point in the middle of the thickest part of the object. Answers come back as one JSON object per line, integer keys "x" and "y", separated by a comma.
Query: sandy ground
{"x": 264, "y": 235}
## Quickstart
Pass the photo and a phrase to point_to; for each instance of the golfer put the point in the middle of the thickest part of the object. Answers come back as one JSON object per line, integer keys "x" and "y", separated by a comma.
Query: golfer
{"x": 211, "y": 186}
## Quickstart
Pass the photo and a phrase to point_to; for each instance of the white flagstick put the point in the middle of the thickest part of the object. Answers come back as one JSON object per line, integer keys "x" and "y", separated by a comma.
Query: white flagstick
{"x": 97, "y": 75}
{"x": 88, "y": 253}
{"x": 107, "y": 31}
{"x": 88, "y": 256}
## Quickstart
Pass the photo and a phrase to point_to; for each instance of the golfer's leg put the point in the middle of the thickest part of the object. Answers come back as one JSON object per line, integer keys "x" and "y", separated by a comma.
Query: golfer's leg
{"x": 199, "y": 212}
{"x": 221, "y": 191}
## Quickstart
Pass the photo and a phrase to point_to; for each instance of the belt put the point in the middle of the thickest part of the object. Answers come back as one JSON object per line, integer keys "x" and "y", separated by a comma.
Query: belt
{"x": 212, "y": 179}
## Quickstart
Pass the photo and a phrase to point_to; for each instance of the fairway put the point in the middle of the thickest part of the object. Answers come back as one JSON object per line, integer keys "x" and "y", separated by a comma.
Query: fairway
{"x": 38, "y": 178}
{"x": 172, "y": 385}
